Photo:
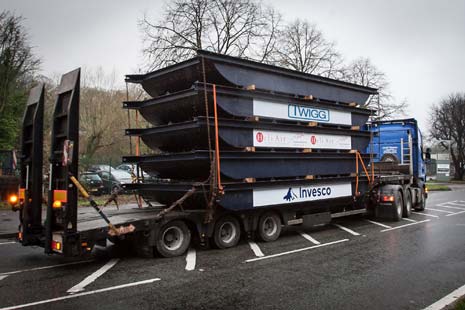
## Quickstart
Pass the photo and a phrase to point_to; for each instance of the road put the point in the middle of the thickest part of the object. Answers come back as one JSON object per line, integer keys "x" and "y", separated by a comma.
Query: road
{"x": 356, "y": 264}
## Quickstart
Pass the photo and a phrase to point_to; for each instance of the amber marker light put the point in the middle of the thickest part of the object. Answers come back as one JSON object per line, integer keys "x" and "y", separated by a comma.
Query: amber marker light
{"x": 13, "y": 199}
{"x": 56, "y": 204}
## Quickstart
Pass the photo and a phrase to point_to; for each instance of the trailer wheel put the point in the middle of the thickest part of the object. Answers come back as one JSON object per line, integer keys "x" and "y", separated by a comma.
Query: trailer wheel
{"x": 397, "y": 207}
{"x": 173, "y": 239}
{"x": 422, "y": 204}
{"x": 407, "y": 210}
{"x": 227, "y": 232}
{"x": 269, "y": 227}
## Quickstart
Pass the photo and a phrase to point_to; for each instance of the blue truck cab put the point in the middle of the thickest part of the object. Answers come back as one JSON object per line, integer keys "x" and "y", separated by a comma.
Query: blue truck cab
{"x": 399, "y": 165}
{"x": 399, "y": 141}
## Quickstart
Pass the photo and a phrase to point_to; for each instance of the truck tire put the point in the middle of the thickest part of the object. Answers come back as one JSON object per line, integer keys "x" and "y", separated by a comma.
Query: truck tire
{"x": 407, "y": 209}
{"x": 396, "y": 214}
{"x": 173, "y": 239}
{"x": 422, "y": 204}
{"x": 269, "y": 227}
{"x": 227, "y": 232}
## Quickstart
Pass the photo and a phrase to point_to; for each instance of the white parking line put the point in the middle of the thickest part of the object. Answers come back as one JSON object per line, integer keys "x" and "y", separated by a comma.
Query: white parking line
{"x": 293, "y": 251}
{"x": 409, "y": 220}
{"x": 437, "y": 210}
{"x": 256, "y": 249}
{"x": 455, "y": 213}
{"x": 111, "y": 288}
{"x": 350, "y": 231}
{"x": 456, "y": 204}
{"x": 379, "y": 224}
{"x": 191, "y": 259}
{"x": 309, "y": 238}
{"x": 9, "y": 242}
{"x": 45, "y": 267}
{"x": 402, "y": 226}
{"x": 92, "y": 277}
{"x": 451, "y": 207}
{"x": 426, "y": 214}
{"x": 447, "y": 300}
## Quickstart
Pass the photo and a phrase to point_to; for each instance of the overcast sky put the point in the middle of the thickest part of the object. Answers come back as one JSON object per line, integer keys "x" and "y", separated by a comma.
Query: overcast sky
{"x": 419, "y": 44}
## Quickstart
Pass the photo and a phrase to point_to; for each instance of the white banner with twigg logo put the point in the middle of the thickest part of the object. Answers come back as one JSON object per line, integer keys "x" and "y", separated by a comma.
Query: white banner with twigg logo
{"x": 285, "y": 139}
{"x": 296, "y": 194}
{"x": 300, "y": 113}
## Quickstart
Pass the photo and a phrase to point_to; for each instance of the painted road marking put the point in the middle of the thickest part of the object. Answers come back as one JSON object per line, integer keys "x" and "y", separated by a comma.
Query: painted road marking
{"x": 191, "y": 259}
{"x": 456, "y": 204}
{"x": 379, "y": 224}
{"x": 409, "y": 220}
{"x": 446, "y": 300}
{"x": 451, "y": 207}
{"x": 45, "y": 267}
{"x": 9, "y": 242}
{"x": 402, "y": 226}
{"x": 456, "y": 213}
{"x": 439, "y": 210}
{"x": 3, "y": 277}
{"x": 309, "y": 238}
{"x": 293, "y": 251}
{"x": 256, "y": 249}
{"x": 102, "y": 290}
{"x": 426, "y": 214}
{"x": 350, "y": 231}
{"x": 92, "y": 277}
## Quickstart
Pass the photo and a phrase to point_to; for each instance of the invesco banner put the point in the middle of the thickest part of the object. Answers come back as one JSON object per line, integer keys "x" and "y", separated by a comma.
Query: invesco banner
{"x": 300, "y": 113}
{"x": 285, "y": 139}
{"x": 302, "y": 193}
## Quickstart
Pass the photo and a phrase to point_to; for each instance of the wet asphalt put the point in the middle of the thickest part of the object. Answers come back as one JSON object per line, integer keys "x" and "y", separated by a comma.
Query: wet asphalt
{"x": 367, "y": 267}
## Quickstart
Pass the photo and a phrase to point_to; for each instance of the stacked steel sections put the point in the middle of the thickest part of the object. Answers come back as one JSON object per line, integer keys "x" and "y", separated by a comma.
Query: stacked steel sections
{"x": 279, "y": 137}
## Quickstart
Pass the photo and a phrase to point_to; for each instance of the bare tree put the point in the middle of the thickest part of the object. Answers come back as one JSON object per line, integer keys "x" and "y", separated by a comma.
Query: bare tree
{"x": 361, "y": 71}
{"x": 102, "y": 119}
{"x": 240, "y": 28}
{"x": 448, "y": 123}
{"x": 303, "y": 47}
{"x": 17, "y": 68}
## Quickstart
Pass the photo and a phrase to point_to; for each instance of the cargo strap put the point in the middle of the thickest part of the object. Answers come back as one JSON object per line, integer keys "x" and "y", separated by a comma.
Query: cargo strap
{"x": 358, "y": 158}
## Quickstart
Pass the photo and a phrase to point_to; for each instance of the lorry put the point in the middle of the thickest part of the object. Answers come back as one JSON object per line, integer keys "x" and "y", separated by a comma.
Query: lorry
{"x": 9, "y": 181}
{"x": 241, "y": 148}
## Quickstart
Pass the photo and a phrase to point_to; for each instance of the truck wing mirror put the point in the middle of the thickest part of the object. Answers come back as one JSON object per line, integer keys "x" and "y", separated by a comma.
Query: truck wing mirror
{"x": 428, "y": 154}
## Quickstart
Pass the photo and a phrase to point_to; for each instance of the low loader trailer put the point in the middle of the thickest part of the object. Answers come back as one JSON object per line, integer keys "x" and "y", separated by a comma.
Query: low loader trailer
{"x": 242, "y": 149}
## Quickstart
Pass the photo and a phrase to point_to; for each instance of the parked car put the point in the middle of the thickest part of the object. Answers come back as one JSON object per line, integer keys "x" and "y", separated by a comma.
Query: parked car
{"x": 96, "y": 168}
{"x": 113, "y": 180}
{"x": 92, "y": 182}
{"x": 130, "y": 169}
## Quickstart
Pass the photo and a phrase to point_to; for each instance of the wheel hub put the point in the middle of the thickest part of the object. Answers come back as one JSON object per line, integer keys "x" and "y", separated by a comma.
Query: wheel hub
{"x": 173, "y": 238}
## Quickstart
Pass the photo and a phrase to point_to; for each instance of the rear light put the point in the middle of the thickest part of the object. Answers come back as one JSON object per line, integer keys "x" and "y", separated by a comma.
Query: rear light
{"x": 56, "y": 245}
{"x": 426, "y": 190}
{"x": 387, "y": 198}
{"x": 20, "y": 236}
{"x": 57, "y": 204}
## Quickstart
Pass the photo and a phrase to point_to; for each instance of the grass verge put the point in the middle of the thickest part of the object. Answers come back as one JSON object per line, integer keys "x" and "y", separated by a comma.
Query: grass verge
{"x": 437, "y": 187}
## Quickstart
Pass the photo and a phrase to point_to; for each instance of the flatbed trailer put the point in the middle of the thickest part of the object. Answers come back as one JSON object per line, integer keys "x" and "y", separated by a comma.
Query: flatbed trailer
{"x": 271, "y": 190}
